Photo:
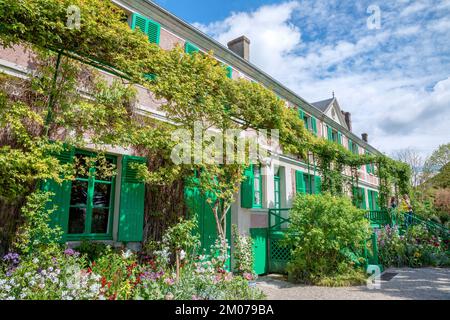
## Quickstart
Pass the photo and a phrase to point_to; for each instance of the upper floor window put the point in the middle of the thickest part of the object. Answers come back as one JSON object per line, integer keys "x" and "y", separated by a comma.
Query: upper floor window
{"x": 309, "y": 121}
{"x": 334, "y": 135}
{"x": 370, "y": 167}
{"x": 149, "y": 27}
{"x": 353, "y": 147}
{"x": 307, "y": 183}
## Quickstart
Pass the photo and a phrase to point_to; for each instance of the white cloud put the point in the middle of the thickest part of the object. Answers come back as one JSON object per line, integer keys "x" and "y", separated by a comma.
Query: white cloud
{"x": 395, "y": 81}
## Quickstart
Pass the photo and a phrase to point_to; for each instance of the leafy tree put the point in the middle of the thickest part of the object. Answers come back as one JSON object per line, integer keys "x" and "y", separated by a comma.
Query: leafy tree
{"x": 438, "y": 159}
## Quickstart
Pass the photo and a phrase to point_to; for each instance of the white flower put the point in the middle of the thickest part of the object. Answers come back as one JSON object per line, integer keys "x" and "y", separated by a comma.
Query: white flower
{"x": 35, "y": 260}
{"x": 127, "y": 254}
{"x": 182, "y": 254}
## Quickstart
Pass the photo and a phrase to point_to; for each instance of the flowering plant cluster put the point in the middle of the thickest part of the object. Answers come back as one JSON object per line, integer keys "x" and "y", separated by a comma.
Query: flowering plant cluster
{"x": 417, "y": 247}
{"x": 243, "y": 254}
{"x": 66, "y": 274}
{"x": 58, "y": 278}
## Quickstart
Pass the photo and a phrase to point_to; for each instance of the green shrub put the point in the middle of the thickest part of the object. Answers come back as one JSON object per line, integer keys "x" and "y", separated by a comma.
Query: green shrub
{"x": 92, "y": 250}
{"x": 322, "y": 229}
{"x": 36, "y": 232}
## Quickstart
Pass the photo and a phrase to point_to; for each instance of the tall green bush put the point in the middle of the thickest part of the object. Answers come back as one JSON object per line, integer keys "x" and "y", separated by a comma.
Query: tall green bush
{"x": 323, "y": 229}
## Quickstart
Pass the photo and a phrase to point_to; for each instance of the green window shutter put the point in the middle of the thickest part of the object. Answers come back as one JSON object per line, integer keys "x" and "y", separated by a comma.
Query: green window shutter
{"x": 370, "y": 197}
{"x": 339, "y": 137}
{"x": 230, "y": 72}
{"x": 140, "y": 22}
{"x": 247, "y": 188}
{"x": 355, "y": 149}
{"x": 318, "y": 184}
{"x": 330, "y": 133}
{"x": 369, "y": 165}
{"x": 151, "y": 28}
{"x": 61, "y": 198}
{"x": 301, "y": 114}
{"x": 350, "y": 145}
{"x": 354, "y": 194}
{"x": 362, "y": 193}
{"x": 190, "y": 48}
{"x": 299, "y": 182}
{"x": 132, "y": 194}
{"x": 314, "y": 125}
{"x": 153, "y": 31}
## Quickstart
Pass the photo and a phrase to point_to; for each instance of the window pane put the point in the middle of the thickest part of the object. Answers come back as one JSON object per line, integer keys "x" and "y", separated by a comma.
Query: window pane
{"x": 102, "y": 194}
{"x": 99, "y": 220}
{"x": 79, "y": 193}
{"x": 77, "y": 217}
{"x": 257, "y": 199}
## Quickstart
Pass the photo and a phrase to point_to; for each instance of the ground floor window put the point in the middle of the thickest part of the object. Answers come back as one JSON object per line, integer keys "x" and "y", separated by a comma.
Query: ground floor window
{"x": 373, "y": 200}
{"x": 92, "y": 195}
{"x": 307, "y": 183}
{"x": 257, "y": 186}
{"x": 251, "y": 189}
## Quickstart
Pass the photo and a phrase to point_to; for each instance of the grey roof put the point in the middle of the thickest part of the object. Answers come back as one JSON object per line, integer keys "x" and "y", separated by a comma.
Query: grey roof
{"x": 323, "y": 105}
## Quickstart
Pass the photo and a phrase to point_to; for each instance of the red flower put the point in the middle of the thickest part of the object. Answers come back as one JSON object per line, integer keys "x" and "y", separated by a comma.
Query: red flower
{"x": 103, "y": 282}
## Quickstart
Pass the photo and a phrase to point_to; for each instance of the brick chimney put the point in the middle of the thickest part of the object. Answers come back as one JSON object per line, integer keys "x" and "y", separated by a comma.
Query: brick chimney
{"x": 240, "y": 46}
{"x": 348, "y": 119}
{"x": 365, "y": 137}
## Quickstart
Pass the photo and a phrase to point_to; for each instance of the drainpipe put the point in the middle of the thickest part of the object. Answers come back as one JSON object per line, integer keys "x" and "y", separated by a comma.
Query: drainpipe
{"x": 52, "y": 96}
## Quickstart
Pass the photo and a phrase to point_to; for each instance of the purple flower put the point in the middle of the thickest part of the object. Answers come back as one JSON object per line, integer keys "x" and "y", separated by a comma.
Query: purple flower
{"x": 152, "y": 275}
{"x": 12, "y": 258}
{"x": 71, "y": 252}
{"x": 169, "y": 281}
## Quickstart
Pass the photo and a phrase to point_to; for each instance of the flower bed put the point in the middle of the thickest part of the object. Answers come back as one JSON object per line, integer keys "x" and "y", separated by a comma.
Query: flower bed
{"x": 173, "y": 269}
{"x": 416, "y": 248}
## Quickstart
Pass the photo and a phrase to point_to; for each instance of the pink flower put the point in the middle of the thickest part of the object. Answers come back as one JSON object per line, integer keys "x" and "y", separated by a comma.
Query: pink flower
{"x": 248, "y": 276}
{"x": 169, "y": 281}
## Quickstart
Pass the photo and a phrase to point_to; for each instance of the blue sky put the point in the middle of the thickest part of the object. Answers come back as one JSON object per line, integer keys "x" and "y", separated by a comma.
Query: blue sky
{"x": 395, "y": 80}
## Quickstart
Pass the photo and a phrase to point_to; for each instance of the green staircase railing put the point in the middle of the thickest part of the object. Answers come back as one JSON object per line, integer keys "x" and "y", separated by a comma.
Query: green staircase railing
{"x": 433, "y": 227}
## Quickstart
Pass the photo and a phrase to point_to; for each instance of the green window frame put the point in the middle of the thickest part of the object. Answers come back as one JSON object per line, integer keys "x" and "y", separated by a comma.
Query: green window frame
{"x": 370, "y": 167}
{"x": 251, "y": 188}
{"x": 314, "y": 125}
{"x": 257, "y": 187}
{"x": 373, "y": 200}
{"x": 88, "y": 185}
{"x": 277, "y": 190}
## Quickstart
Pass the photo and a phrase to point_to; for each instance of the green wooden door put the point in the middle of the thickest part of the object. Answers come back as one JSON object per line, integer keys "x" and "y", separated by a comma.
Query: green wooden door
{"x": 198, "y": 207}
{"x": 259, "y": 236}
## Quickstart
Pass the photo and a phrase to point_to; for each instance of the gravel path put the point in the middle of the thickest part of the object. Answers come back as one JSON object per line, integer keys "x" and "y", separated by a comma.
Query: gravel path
{"x": 407, "y": 284}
